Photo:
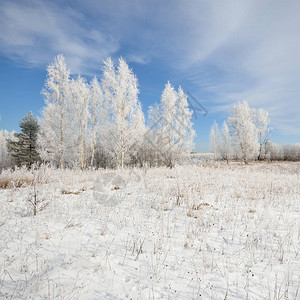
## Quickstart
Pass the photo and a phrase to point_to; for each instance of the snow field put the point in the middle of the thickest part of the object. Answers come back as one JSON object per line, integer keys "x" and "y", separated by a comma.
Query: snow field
{"x": 192, "y": 232}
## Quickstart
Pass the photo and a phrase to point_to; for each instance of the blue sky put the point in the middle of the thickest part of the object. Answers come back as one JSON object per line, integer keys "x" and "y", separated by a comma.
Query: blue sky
{"x": 220, "y": 51}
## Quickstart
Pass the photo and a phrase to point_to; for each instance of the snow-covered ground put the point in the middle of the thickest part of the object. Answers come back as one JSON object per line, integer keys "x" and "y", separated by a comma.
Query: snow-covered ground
{"x": 192, "y": 232}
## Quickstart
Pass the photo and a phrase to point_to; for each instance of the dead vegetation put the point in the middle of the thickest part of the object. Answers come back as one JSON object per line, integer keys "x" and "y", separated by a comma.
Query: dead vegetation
{"x": 10, "y": 182}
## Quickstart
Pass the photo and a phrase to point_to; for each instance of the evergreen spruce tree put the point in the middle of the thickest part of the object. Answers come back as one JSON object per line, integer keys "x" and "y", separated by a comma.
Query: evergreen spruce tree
{"x": 23, "y": 150}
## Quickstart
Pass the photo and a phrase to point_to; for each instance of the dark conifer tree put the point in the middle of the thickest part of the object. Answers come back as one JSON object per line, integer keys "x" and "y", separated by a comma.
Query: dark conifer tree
{"x": 24, "y": 150}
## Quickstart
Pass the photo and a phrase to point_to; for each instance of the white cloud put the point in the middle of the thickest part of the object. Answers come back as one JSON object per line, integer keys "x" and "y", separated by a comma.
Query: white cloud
{"x": 141, "y": 59}
{"x": 33, "y": 32}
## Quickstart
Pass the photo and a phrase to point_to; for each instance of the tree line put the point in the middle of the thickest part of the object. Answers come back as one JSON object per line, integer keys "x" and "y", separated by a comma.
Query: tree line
{"x": 245, "y": 135}
{"x": 101, "y": 123}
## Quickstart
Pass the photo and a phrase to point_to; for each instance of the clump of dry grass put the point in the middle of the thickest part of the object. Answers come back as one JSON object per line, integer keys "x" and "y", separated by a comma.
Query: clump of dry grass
{"x": 200, "y": 206}
{"x": 22, "y": 177}
{"x": 67, "y": 192}
{"x": 5, "y": 183}
{"x": 15, "y": 182}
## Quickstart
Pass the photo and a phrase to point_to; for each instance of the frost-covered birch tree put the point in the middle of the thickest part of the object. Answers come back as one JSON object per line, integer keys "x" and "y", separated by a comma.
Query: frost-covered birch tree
{"x": 215, "y": 140}
{"x": 244, "y": 131}
{"x": 5, "y": 158}
{"x": 171, "y": 128}
{"x": 98, "y": 115}
{"x": 225, "y": 142}
{"x": 152, "y": 137}
{"x": 79, "y": 113}
{"x": 185, "y": 130}
{"x": 168, "y": 127}
{"x": 264, "y": 130}
{"x": 138, "y": 149}
{"x": 51, "y": 140}
{"x": 120, "y": 88}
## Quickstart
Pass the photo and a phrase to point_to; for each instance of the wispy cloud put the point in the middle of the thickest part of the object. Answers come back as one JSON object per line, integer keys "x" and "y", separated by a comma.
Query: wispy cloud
{"x": 33, "y": 32}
